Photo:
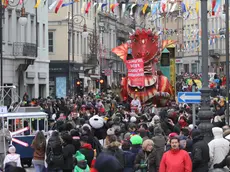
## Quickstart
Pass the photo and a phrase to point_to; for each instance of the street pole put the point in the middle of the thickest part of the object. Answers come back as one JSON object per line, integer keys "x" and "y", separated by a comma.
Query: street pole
{"x": 69, "y": 79}
{"x": 73, "y": 48}
{"x": 227, "y": 56}
{"x": 1, "y": 10}
{"x": 205, "y": 114}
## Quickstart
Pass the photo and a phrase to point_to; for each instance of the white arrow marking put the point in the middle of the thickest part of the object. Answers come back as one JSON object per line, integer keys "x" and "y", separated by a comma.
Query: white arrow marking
{"x": 183, "y": 97}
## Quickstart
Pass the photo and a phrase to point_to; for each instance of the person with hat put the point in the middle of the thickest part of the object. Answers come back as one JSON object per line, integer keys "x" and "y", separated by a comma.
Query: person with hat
{"x": 136, "y": 142}
{"x": 87, "y": 150}
{"x": 12, "y": 159}
{"x": 81, "y": 163}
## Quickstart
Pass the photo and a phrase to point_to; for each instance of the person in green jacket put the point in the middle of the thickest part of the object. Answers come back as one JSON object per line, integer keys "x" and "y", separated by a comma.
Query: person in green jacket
{"x": 82, "y": 165}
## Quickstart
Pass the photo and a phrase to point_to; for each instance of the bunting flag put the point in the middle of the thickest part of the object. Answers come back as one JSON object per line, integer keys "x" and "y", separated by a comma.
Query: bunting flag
{"x": 217, "y": 5}
{"x": 83, "y": 7}
{"x": 183, "y": 7}
{"x": 58, "y": 6}
{"x": 213, "y": 6}
{"x": 37, "y": 4}
{"x": 197, "y": 7}
{"x": 144, "y": 8}
{"x": 113, "y": 6}
{"x": 94, "y": 4}
{"x": 53, "y": 5}
{"x": 99, "y": 7}
{"x": 163, "y": 5}
{"x": 173, "y": 7}
{"x": 20, "y": 2}
{"x": 69, "y": 3}
{"x": 131, "y": 10}
{"x": 5, "y": 3}
{"x": 88, "y": 7}
{"x": 123, "y": 10}
{"x": 103, "y": 5}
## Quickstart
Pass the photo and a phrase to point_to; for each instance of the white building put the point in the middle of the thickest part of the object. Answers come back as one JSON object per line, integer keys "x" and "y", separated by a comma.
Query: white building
{"x": 25, "y": 49}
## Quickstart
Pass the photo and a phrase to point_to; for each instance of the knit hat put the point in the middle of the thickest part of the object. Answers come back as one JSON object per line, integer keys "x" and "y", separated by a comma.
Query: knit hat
{"x": 79, "y": 156}
{"x": 110, "y": 131}
{"x": 105, "y": 162}
{"x": 82, "y": 165}
{"x": 136, "y": 140}
{"x": 12, "y": 149}
{"x": 133, "y": 119}
{"x": 171, "y": 135}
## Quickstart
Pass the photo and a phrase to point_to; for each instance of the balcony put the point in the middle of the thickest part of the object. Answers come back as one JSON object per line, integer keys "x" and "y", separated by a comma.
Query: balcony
{"x": 90, "y": 60}
{"x": 24, "y": 49}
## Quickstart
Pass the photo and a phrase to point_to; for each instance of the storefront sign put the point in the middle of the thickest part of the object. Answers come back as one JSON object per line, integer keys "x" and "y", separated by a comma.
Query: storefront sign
{"x": 136, "y": 71}
{"x": 179, "y": 61}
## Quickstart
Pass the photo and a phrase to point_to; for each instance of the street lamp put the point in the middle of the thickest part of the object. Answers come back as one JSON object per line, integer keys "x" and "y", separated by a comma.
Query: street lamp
{"x": 205, "y": 114}
{"x": 75, "y": 19}
{"x": 23, "y": 19}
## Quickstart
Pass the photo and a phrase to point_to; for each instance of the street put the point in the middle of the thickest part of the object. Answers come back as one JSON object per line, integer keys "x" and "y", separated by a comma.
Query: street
{"x": 31, "y": 169}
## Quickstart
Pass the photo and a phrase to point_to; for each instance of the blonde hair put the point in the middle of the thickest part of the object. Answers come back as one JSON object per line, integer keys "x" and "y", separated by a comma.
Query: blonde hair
{"x": 147, "y": 143}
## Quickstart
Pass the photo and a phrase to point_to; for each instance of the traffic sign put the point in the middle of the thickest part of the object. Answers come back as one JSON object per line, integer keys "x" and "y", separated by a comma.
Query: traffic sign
{"x": 189, "y": 97}
{"x": 3, "y": 109}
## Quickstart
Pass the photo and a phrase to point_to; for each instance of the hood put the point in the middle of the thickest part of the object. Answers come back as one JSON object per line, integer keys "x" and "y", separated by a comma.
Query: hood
{"x": 217, "y": 132}
{"x": 158, "y": 131}
{"x": 87, "y": 146}
{"x": 12, "y": 157}
{"x": 114, "y": 145}
{"x": 196, "y": 135}
{"x": 82, "y": 164}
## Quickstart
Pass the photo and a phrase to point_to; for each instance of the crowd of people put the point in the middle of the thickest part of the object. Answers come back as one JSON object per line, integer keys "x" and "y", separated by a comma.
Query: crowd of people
{"x": 101, "y": 133}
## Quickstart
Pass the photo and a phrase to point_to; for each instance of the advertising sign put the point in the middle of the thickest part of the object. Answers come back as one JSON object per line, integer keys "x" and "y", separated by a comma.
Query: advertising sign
{"x": 136, "y": 71}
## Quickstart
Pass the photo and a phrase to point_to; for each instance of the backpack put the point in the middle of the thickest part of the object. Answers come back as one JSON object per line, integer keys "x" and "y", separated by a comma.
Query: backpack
{"x": 97, "y": 145}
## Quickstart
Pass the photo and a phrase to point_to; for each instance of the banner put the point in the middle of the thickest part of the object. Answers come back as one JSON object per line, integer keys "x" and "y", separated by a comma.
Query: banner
{"x": 136, "y": 71}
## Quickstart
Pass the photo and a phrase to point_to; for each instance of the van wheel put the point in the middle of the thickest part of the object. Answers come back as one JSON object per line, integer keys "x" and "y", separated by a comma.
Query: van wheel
{"x": 29, "y": 164}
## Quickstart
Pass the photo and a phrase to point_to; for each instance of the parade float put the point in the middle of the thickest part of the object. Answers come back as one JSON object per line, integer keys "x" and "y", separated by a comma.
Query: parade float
{"x": 143, "y": 80}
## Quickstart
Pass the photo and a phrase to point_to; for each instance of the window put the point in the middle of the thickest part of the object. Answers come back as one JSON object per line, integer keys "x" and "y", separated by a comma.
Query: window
{"x": 44, "y": 35}
{"x": 25, "y": 33}
{"x": 77, "y": 43}
{"x": 186, "y": 68}
{"x": 51, "y": 42}
{"x": 32, "y": 37}
{"x": 18, "y": 31}
{"x": 38, "y": 34}
{"x": 194, "y": 68}
{"x": 9, "y": 26}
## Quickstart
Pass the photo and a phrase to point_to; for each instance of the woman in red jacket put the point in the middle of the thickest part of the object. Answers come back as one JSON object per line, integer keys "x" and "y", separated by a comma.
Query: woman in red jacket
{"x": 175, "y": 159}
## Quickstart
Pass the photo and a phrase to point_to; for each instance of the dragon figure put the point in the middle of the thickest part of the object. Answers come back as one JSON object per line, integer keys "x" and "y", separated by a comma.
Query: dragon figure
{"x": 157, "y": 89}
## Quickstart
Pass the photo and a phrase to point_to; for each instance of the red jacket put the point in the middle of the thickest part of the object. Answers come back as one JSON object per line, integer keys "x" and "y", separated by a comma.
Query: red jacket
{"x": 176, "y": 161}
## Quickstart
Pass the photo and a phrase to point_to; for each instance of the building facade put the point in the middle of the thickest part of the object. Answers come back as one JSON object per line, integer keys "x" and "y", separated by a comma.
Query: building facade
{"x": 191, "y": 62}
{"x": 188, "y": 56}
{"x": 87, "y": 60}
{"x": 25, "y": 50}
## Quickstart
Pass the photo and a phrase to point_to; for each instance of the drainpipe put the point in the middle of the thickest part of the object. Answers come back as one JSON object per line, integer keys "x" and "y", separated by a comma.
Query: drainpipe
{"x": 36, "y": 18}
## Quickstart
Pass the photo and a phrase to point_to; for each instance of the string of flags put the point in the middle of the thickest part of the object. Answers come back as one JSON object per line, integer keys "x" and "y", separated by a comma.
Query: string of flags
{"x": 150, "y": 8}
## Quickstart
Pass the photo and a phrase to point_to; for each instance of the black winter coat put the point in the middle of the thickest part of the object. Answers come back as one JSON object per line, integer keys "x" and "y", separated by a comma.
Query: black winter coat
{"x": 113, "y": 149}
{"x": 200, "y": 155}
{"x": 68, "y": 152}
{"x": 54, "y": 147}
{"x": 129, "y": 161}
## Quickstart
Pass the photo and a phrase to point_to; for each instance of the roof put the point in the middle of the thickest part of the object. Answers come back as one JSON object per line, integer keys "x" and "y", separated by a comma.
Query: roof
{"x": 24, "y": 115}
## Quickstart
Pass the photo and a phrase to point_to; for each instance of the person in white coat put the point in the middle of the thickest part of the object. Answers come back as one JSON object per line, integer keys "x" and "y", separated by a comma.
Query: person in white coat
{"x": 12, "y": 159}
{"x": 218, "y": 147}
